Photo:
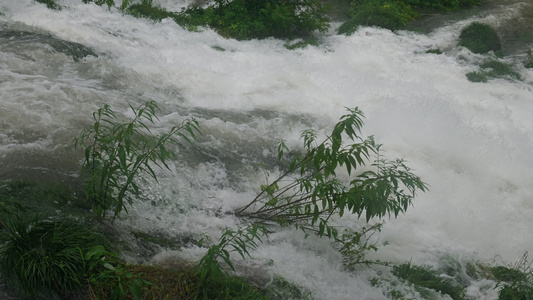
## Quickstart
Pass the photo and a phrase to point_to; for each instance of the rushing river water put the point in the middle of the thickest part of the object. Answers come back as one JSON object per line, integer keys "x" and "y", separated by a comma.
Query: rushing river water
{"x": 471, "y": 142}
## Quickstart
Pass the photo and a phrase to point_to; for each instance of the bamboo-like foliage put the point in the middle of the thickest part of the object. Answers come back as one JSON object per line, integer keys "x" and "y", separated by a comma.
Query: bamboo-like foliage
{"x": 118, "y": 151}
{"x": 309, "y": 192}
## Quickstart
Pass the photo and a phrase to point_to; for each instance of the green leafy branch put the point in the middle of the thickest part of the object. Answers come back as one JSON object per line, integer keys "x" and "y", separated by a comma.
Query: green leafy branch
{"x": 117, "y": 152}
{"x": 309, "y": 193}
{"x": 312, "y": 191}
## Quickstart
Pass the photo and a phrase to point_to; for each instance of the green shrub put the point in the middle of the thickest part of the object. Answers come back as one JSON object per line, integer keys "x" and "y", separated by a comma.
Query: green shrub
{"x": 425, "y": 277}
{"x": 480, "y": 38}
{"x": 387, "y": 14}
{"x": 42, "y": 258}
{"x": 249, "y": 19}
{"x": 118, "y": 151}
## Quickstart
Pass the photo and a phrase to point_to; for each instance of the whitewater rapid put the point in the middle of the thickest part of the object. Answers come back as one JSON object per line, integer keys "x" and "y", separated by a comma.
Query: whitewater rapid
{"x": 471, "y": 142}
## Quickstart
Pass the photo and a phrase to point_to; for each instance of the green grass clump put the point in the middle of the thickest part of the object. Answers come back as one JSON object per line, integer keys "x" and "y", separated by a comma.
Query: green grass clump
{"x": 42, "y": 258}
{"x": 516, "y": 281}
{"x": 424, "y": 277}
{"x": 480, "y": 38}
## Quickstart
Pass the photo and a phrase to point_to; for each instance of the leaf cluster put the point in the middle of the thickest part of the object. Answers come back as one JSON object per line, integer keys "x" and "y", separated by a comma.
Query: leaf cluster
{"x": 309, "y": 192}
{"x": 118, "y": 151}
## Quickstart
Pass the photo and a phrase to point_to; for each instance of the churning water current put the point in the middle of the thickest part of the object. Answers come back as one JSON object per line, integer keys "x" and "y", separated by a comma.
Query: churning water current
{"x": 471, "y": 142}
